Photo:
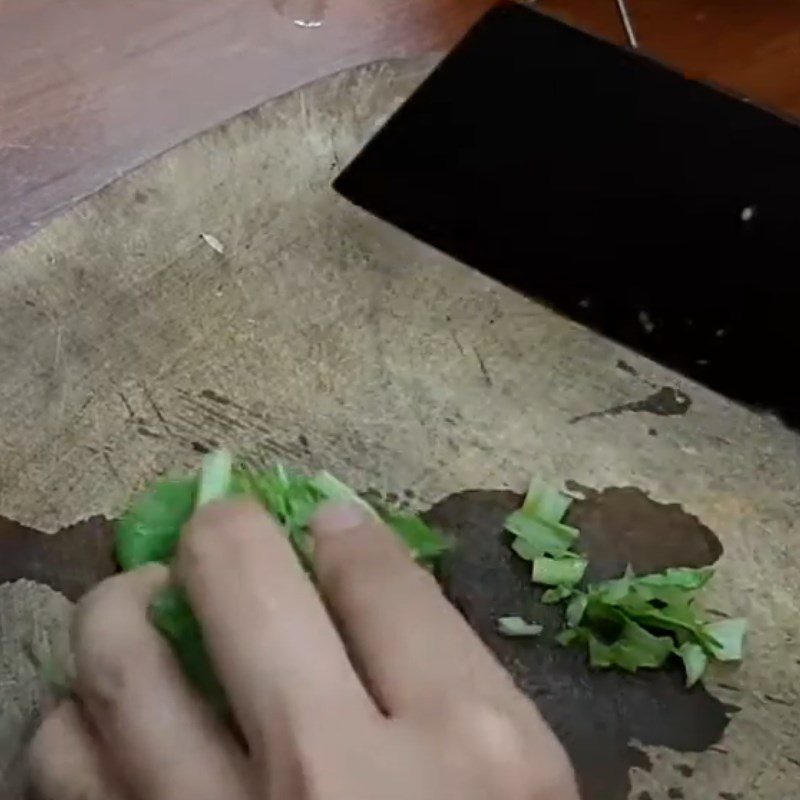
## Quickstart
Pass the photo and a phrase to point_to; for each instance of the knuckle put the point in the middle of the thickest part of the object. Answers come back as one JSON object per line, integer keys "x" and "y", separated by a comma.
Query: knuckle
{"x": 528, "y": 763}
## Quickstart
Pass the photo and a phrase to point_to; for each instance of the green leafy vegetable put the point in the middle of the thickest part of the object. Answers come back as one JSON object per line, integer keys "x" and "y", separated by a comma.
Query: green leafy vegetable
{"x": 517, "y": 627}
{"x": 215, "y": 477}
{"x": 631, "y": 622}
{"x": 150, "y": 529}
{"x": 542, "y": 538}
{"x": 633, "y": 648}
{"x": 566, "y": 570}
{"x": 611, "y": 619}
{"x": 557, "y": 594}
{"x": 695, "y": 661}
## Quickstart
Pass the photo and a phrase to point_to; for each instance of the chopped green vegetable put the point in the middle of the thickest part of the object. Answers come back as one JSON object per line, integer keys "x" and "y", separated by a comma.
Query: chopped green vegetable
{"x": 537, "y": 525}
{"x": 333, "y": 489}
{"x": 517, "y": 627}
{"x": 727, "y": 636}
{"x": 634, "y": 648}
{"x": 576, "y": 609}
{"x": 542, "y": 537}
{"x": 631, "y": 622}
{"x": 173, "y": 616}
{"x": 557, "y": 594}
{"x": 566, "y": 570}
{"x": 150, "y": 529}
{"x": 545, "y": 503}
{"x": 695, "y": 661}
{"x": 215, "y": 477}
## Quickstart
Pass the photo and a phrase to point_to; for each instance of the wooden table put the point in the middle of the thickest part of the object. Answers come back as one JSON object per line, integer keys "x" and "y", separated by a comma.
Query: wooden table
{"x": 91, "y": 89}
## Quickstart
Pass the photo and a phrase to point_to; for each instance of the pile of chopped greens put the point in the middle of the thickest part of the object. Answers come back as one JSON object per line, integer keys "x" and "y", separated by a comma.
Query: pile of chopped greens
{"x": 150, "y": 529}
{"x": 632, "y": 622}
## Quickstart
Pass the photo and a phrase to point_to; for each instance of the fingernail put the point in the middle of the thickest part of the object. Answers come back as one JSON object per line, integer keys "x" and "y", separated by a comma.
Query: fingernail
{"x": 335, "y": 518}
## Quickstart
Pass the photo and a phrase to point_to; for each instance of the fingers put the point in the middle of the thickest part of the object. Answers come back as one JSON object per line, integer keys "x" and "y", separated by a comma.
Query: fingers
{"x": 278, "y": 654}
{"x": 159, "y": 735}
{"x": 65, "y": 761}
{"x": 411, "y": 644}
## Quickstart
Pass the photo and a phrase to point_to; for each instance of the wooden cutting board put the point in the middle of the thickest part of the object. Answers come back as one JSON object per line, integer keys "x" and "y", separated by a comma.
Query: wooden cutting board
{"x": 320, "y": 337}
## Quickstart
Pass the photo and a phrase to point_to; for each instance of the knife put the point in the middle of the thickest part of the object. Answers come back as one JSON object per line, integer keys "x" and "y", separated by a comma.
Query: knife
{"x": 659, "y": 211}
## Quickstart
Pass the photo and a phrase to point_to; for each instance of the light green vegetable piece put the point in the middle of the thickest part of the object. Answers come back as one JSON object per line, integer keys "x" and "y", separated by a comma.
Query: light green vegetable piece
{"x": 215, "y": 477}
{"x": 564, "y": 570}
{"x": 632, "y": 622}
{"x": 557, "y": 594}
{"x": 151, "y": 528}
{"x": 694, "y": 660}
{"x": 517, "y": 627}
{"x": 538, "y": 523}
{"x": 728, "y": 638}
{"x": 576, "y": 609}
{"x": 635, "y": 648}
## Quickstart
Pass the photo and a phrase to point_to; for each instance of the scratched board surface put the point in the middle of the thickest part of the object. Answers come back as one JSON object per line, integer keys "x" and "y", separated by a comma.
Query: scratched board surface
{"x": 324, "y": 339}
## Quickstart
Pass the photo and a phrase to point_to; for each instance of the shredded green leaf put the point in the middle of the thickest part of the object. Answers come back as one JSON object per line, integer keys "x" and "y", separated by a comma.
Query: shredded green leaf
{"x": 631, "y": 622}
{"x": 694, "y": 660}
{"x": 215, "y": 477}
{"x": 537, "y": 525}
{"x": 633, "y": 648}
{"x": 727, "y": 637}
{"x": 151, "y": 527}
{"x": 609, "y": 617}
{"x": 557, "y": 594}
{"x": 566, "y": 570}
{"x": 517, "y": 627}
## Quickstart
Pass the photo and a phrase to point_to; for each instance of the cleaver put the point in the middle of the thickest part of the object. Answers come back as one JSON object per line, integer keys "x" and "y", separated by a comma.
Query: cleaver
{"x": 659, "y": 211}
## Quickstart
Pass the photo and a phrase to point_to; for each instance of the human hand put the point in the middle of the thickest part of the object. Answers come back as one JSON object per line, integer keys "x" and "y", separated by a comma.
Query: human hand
{"x": 371, "y": 688}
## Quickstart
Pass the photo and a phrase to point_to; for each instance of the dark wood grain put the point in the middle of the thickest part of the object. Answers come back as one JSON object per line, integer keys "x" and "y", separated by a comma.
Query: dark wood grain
{"x": 91, "y": 89}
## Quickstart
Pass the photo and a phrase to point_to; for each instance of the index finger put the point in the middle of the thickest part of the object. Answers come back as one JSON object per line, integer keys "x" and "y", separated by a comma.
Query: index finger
{"x": 269, "y": 636}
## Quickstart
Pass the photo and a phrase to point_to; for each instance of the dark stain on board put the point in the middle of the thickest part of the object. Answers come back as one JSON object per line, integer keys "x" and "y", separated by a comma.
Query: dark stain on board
{"x": 622, "y": 525}
{"x": 664, "y": 402}
{"x": 595, "y": 713}
{"x": 70, "y": 561}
